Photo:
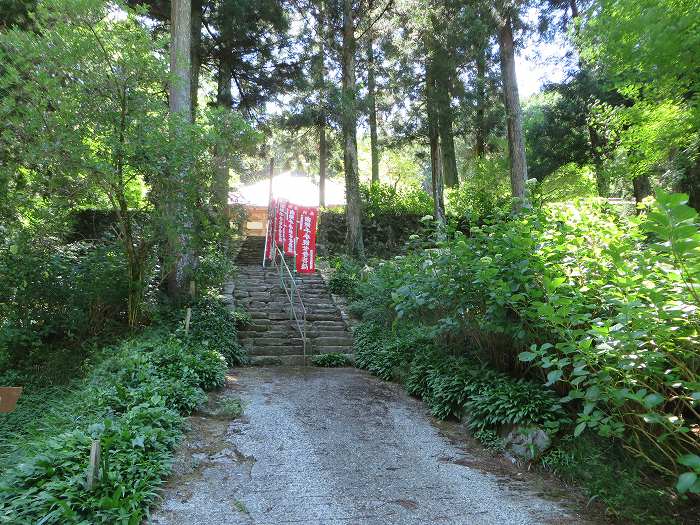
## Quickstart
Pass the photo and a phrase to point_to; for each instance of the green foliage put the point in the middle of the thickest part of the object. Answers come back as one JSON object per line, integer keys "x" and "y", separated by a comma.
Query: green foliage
{"x": 345, "y": 277}
{"x": 608, "y": 475}
{"x": 230, "y": 407}
{"x": 647, "y": 51}
{"x": 213, "y": 325}
{"x": 330, "y": 360}
{"x": 215, "y": 267}
{"x": 568, "y": 182}
{"x": 576, "y": 293}
{"x": 371, "y": 352}
{"x": 501, "y": 403}
{"x": 91, "y": 128}
{"x": 383, "y": 199}
{"x": 132, "y": 403}
{"x": 490, "y": 439}
{"x": 51, "y": 291}
{"x": 484, "y": 192}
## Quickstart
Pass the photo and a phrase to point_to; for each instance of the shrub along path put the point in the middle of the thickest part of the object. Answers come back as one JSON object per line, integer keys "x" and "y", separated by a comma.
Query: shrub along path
{"x": 338, "y": 446}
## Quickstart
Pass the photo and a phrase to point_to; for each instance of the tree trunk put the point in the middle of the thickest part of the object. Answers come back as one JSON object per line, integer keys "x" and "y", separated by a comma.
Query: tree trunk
{"x": 323, "y": 160}
{"x": 642, "y": 187}
{"x": 322, "y": 144}
{"x": 516, "y": 140}
{"x": 221, "y": 158}
{"x": 691, "y": 184}
{"x": 443, "y": 73}
{"x": 574, "y": 9}
{"x": 372, "y": 101}
{"x": 434, "y": 139}
{"x": 601, "y": 179}
{"x": 195, "y": 54}
{"x": 353, "y": 208}
{"x": 447, "y": 144}
{"x": 479, "y": 118}
{"x": 180, "y": 48}
{"x": 178, "y": 217}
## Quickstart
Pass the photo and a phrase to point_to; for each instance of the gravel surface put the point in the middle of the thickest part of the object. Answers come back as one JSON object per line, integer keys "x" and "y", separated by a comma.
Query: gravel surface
{"x": 337, "y": 446}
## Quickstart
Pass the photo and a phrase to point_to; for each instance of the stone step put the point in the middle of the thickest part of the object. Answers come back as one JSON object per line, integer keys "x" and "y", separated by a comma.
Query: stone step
{"x": 333, "y": 324}
{"x": 333, "y": 341}
{"x": 322, "y": 316}
{"x": 277, "y": 333}
{"x": 331, "y": 349}
{"x": 275, "y": 341}
{"x": 278, "y": 360}
{"x": 277, "y": 351}
{"x": 316, "y": 334}
{"x": 287, "y": 360}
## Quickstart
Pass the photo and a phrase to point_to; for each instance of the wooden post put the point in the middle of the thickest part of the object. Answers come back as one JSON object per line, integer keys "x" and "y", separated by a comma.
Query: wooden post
{"x": 8, "y": 398}
{"x": 94, "y": 467}
{"x": 269, "y": 211}
{"x": 188, "y": 316}
{"x": 272, "y": 172}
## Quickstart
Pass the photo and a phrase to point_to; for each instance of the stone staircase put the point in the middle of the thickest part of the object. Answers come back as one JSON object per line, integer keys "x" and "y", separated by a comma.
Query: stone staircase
{"x": 272, "y": 338}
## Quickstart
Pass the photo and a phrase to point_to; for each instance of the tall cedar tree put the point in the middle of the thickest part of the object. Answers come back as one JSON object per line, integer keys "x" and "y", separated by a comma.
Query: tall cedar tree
{"x": 180, "y": 253}
{"x": 353, "y": 208}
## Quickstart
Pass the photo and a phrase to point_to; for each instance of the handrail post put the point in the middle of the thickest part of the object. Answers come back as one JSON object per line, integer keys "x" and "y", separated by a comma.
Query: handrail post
{"x": 292, "y": 293}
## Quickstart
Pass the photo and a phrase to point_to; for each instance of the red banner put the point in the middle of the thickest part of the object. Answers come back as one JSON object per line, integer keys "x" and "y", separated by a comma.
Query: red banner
{"x": 271, "y": 212}
{"x": 306, "y": 243}
{"x": 290, "y": 236}
{"x": 281, "y": 222}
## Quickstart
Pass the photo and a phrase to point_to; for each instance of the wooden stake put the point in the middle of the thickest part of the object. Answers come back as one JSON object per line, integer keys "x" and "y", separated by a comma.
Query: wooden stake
{"x": 94, "y": 467}
{"x": 188, "y": 316}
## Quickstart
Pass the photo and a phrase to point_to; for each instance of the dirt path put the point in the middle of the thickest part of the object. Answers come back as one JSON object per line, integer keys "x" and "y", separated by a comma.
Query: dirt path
{"x": 337, "y": 446}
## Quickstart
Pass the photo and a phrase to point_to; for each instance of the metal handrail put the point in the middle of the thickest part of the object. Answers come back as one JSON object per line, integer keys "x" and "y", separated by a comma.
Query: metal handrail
{"x": 292, "y": 292}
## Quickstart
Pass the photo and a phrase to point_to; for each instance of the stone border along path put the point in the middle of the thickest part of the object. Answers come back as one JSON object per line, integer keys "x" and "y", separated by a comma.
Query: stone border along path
{"x": 339, "y": 447}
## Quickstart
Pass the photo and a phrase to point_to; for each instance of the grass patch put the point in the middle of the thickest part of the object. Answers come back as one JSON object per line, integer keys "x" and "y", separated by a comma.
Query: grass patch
{"x": 230, "y": 407}
{"x": 132, "y": 398}
{"x": 623, "y": 484}
{"x": 330, "y": 360}
{"x": 240, "y": 506}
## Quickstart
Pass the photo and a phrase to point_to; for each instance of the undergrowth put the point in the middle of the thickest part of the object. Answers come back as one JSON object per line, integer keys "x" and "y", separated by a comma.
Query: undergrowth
{"x": 330, "y": 360}
{"x": 132, "y": 398}
{"x": 568, "y": 319}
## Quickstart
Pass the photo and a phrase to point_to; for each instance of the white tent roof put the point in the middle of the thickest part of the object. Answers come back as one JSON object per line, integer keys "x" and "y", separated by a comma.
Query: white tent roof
{"x": 296, "y": 188}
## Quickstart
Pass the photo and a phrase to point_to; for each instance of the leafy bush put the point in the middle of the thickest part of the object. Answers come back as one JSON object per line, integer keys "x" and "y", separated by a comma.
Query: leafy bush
{"x": 601, "y": 308}
{"x": 371, "y": 353}
{"x": 483, "y": 194}
{"x": 214, "y": 325}
{"x": 330, "y": 360}
{"x": 135, "y": 398}
{"x": 345, "y": 277}
{"x": 215, "y": 267}
{"x": 230, "y": 407}
{"x": 490, "y": 439}
{"x": 381, "y": 199}
{"x": 51, "y": 292}
{"x": 501, "y": 403}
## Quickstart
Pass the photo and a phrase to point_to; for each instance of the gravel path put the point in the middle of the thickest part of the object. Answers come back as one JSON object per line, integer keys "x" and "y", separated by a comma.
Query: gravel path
{"x": 337, "y": 446}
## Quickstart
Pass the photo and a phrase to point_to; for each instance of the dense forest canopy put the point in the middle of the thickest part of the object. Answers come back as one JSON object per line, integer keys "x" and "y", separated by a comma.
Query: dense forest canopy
{"x": 433, "y": 89}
